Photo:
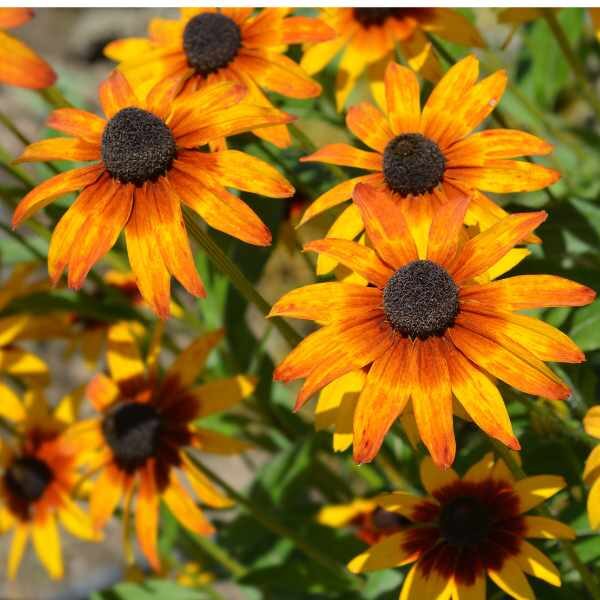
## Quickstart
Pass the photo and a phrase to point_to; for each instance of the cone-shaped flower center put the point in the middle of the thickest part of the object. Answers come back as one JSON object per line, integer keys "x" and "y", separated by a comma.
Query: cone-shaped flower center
{"x": 132, "y": 430}
{"x": 27, "y": 479}
{"x": 465, "y": 521}
{"x": 413, "y": 164}
{"x": 420, "y": 300}
{"x": 211, "y": 41}
{"x": 373, "y": 16}
{"x": 137, "y": 146}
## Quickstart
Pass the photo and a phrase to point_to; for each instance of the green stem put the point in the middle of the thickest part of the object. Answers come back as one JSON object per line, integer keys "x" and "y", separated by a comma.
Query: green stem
{"x": 279, "y": 528}
{"x": 18, "y": 173}
{"x": 221, "y": 556}
{"x": 587, "y": 577}
{"x": 237, "y": 278}
{"x": 54, "y": 97}
{"x": 7, "y": 122}
{"x": 25, "y": 243}
{"x": 573, "y": 60}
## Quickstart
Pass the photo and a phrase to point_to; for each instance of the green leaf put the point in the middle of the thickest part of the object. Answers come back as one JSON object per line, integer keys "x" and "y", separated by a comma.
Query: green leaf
{"x": 585, "y": 330}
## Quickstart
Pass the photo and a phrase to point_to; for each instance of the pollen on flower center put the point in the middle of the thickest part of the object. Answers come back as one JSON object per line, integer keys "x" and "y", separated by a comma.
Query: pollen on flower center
{"x": 211, "y": 41}
{"x": 27, "y": 479}
{"x": 413, "y": 165}
{"x": 465, "y": 521}
{"x": 137, "y": 146}
{"x": 132, "y": 430}
{"x": 420, "y": 300}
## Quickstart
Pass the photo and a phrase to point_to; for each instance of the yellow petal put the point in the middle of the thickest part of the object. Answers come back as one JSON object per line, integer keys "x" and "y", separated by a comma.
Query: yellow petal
{"x": 434, "y": 478}
{"x": 21, "y": 363}
{"x": 203, "y": 488}
{"x": 550, "y": 529}
{"x": 591, "y": 421}
{"x": 402, "y": 503}
{"x": 331, "y": 397}
{"x": 17, "y": 547}
{"x": 592, "y": 466}
{"x": 11, "y": 407}
{"x": 593, "y": 505}
{"x": 535, "y": 563}
{"x": 190, "y": 362}
{"x": 510, "y": 579}
{"x": 47, "y": 546}
{"x": 123, "y": 356}
{"x": 214, "y": 442}
{"x": 222, "y": 394}
{"x": 338, "y": 515}
{"x": 76, "y": 521}
{"x": 67, "y": 409}
{"x": 386, "y": 554}
{"x": 11, "y": 327}
{"x": 471, "y": 592}
{"x": 344, "y": 420}
{"x": 534, "y": 490}
{"x": 480, "y": 470}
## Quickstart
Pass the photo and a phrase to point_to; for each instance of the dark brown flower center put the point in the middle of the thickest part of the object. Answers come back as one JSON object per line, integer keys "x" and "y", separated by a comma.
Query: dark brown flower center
{"x": 368, "y": 17}
{"x": 137, "y": 146}
{"x": 413, "y": 165}
{"x": 385, "y": 520}
{"x": 211, "y": 41}
{"x": 132, "y": 430}
{"x": 465, "y": 521}
{"x": 420, "y": 300}
{"x": 26, "y": 480}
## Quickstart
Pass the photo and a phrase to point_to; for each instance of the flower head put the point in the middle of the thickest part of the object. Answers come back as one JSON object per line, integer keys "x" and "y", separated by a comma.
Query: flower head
{"x": 19, "y": 65}
{"x": 40, "y": 476}
{"x": 145, "y": 425}
{"x": 147, "y": 165}
{"x": 467, "y": 529}
{"x": 426, "y": 158}
{"x": 431, "y": 325}
{"x": 368, "y": 38}
{"x": 234, "y": 44}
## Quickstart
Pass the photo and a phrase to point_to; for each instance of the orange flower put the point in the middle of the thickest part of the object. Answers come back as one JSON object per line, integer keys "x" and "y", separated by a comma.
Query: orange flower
{"x": 234, "y": 44}
{"x": 427, "y": 158}
{"x": 467, "y": 529}
{"x": 147, "y": 165}
{"x": 429, "y": 326}
{"x": 19, "y": 65}
{"x": 40, "y": 477}
{"x": 368, "y": 38}
{"x": 146, "y": 424}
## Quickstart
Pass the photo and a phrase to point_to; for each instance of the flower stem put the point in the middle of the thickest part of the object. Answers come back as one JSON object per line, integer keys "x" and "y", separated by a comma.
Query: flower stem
{"x": 587, "y": 577}
{"x": 237, "y": 278}
{"x": 221, "y": 556}
{"x": 279, "y": 528}
{"x": 573, "y": 60}
{"x": 54, "y": 97}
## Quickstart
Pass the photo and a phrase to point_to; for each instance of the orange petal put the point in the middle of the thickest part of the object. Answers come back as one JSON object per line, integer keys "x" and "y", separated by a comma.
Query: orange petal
{"x": 351, "y": 65}
{"x": 99, "y": 224}
{"x": 480, "y": 397}
{"x": 348, "y": 156}
{"x": 358, "y": 258}
{"x": 277, "y": 73}
{"x": 369, "y": 125}
{"x": 183, "y": 507}
{"x": 164, "y": 211}
{"x": 381, "y": 401}
{"x": 160, "y": 98}
{"x": 486, "y": 249}
{"x": 218, "y": 207}
{"x": 432, "y": 400}
{"x": 152, "y": 276}
{"x": 403, "y": 99}
{"x": 146, "y": 516}
{"x": 447, "y": 95}
{"x": 504, "y": 176}
{"x": 105, "y": 495}
{"x": 59, "y": 149}
{"x": 190, "y": 362}
{"x": 337, "y": 194}
{"x": 115, "y": 93}
{"x": 102, "y": 391}
{"x": 63, "y": 183}
{"x": 298, "y": 30}
{"x": 232, "y": 168}
{"x": 328, "y": 302}
{"x": 79, "y": 123}
{"x": 385, "y": 226}
{"x": 127, "y": 48}
{"x": 265, "y": 27}
{"x": 14, "y": 17}
{"x": 446, "y": 227}
{"x": 21, "y": 66}
{"x": 529, "y": 375}
{"x": 528, "y": 291}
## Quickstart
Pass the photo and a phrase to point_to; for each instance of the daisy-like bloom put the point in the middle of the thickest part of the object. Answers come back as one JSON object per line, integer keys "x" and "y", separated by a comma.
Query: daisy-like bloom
{"x": 39, "y": 478}
{"x": 235, "y": 44}
{"x": 144, "y": 427}
{"x": 467, "y": 529}
{"x": 370, "y": 522}
{"x": 369, "y": 37}
{"x": 426, "y": 158}
{"x": 591, "y": 473}
{"x": 19, "y": 64}
{"x": 147, "y": 165}
{"x": 430, "y": 326}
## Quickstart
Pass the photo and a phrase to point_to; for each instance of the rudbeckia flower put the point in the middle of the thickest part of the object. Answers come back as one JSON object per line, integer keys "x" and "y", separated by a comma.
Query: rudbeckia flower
{"x": 369, "y": 37}
{"x": 40, "y": 475}
{"x": 466, "y": 530}
{"x": 591, "y": 473}
{"x": 426, "y": 158}
{"x": 235, "y": 44}
{"x": 428, "y": 327}
{"x": 144, "y": 427}
{"x": 147, "y": 165}
{"x": 19, "y": 65}
{"x": 365, "y": 517}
